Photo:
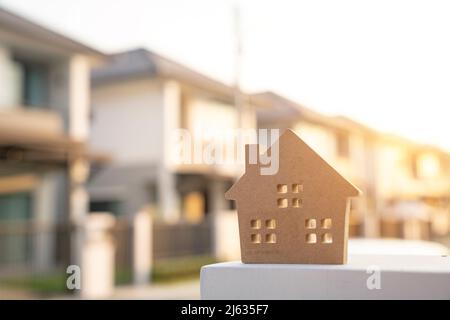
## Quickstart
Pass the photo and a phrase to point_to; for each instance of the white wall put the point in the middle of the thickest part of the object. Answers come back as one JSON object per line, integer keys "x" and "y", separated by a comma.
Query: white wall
{"x": 79, "y": 97}
{"x": 207, "y": 116}
{"x": 8, "y": 90}
{"x": 45, "y": 214}
{"x": 127, "y": 120}
{"x": 213, "y": 124}
{"x": 321, "y": 139}
{"x": 69, "y": 94}
{"x": 168, "y": 195}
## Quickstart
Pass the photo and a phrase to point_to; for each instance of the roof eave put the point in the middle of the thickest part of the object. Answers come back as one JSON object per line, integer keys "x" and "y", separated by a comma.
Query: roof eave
{"x": 26, "y": 28}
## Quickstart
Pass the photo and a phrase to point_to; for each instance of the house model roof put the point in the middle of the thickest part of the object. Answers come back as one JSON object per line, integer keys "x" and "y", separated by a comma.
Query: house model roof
{"x": 295, "y": 158}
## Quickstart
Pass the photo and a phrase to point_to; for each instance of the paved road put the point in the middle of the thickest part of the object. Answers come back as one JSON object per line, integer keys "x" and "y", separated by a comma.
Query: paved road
{"x": 179, "y": 290}
{"x": 189, "y": 290}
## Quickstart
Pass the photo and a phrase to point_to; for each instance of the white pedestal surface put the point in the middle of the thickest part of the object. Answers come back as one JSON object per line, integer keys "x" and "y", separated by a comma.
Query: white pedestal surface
{"x": 397, "y": 277}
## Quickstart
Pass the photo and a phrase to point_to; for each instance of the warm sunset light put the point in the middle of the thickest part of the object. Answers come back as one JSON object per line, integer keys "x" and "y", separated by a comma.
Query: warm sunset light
{"x": 224, "y": 150}
{"x": 384, "y": 63}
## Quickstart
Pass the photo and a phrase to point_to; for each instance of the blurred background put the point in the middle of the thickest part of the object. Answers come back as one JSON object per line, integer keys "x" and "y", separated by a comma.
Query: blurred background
{"x": 91, "y": 92}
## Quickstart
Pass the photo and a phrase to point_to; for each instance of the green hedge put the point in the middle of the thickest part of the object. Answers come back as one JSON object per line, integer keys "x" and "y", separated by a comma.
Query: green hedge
{"x": 164, "y": 271}
{"x": 176, "y": 269}
{"x": 39, "y": 284}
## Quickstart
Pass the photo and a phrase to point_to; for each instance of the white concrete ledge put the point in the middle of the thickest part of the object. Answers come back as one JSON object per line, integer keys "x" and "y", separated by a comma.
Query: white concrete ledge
{"x": 399, "y": 277}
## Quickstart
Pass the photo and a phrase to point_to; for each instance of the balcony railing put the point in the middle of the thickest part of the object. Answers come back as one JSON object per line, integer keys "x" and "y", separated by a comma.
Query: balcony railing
{"x": 21, "y": 123}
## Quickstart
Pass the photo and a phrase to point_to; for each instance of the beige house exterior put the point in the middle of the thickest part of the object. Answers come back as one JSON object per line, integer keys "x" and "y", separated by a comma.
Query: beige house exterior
{"x": 413, "y": 185}
{"x": 44, "y": 116}
{"x": 140, "y": 101}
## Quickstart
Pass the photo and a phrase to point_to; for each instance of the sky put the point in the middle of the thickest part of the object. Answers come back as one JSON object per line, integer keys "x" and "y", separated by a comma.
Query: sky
{"x": 383, "y": 63}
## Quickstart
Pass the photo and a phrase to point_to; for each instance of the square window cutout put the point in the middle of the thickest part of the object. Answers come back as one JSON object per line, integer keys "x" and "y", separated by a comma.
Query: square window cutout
{"x": 326, "y": 223}
{"x": 311, "y": 238}
{"x": 282, "y": 203}
{"x": 271, "y": 224}
{"x": 255, "y": 224}
{"x": 282, "y": 188}
{"x": 296, "y": 187}
{"x": 271, "y": 238}
{"x": 296, "y": 202}
{"x": 310, "y": 223}
{"x": 256, "y": 238}
{"x": 327, "y": 238}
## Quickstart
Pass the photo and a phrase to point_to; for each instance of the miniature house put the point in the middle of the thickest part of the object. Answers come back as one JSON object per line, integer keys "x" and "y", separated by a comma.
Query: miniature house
{"x": 297, "y": 215}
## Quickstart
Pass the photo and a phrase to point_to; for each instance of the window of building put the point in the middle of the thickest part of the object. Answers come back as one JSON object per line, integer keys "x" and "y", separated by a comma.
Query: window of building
{"x": 194, "y": 207}
{"x": 313, "y": 230}
{"x": 342, "y": 144}
{"x": 32, "y": 83}
{"x": 413, "y": 158}
{"x": 110, "y": 206}
{"x": 263, "y": 231}
{"x": 428, "y": 166}
{"x": 255, "y": 224}
{"x": 15, "y": 247}
{"x": 289, "y": 195}
{"x": 15, "y": 207}
{"x": 311, "y": 238}
{"x": 325, "y": 223}
{"x": 310, "y": 223}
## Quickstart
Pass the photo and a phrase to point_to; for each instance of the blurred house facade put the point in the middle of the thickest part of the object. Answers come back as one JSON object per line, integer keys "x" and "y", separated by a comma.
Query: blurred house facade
{"x": 140, "y": 100}
{"x": 44, "y": 114}
{"x": 413, "y": 188}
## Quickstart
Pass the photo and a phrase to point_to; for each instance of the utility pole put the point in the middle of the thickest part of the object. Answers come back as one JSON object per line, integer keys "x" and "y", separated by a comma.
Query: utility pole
{"x": 238, "y": 103}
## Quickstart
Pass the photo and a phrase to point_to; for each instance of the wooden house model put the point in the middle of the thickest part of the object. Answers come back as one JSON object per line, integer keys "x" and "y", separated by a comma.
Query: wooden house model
{"x": 298, "y": 215}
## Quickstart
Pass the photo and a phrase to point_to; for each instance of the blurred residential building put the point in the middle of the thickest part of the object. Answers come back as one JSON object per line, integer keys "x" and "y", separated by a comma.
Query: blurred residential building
{"x": 44, "y": 115}
{"x": 413, "y": 188}
{"x": 140, "y": 100}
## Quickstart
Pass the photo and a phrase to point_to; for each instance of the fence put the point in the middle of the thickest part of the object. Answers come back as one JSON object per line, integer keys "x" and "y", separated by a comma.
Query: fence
{"x": 169, "y": 241}
{"x": 182, "y": 239}
{"x": 29, "y": 247}
{"x": 123, "y": 240}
